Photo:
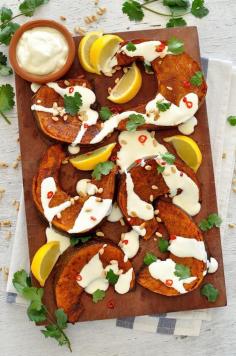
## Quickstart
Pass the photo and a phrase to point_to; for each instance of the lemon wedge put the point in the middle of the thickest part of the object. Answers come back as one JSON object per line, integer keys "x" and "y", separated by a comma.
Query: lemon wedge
{"x": 84, "y": 50}
{"x": 187, "y": 149}
{"x": 88, "y": 161}
{"x": 44, "y": 261}
{"x": 102, "y": 52}
{"x": 127, "y": 87}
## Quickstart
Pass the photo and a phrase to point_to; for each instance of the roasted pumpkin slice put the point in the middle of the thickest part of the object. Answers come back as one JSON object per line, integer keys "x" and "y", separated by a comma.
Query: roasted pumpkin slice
{"x": 69, "y": 266}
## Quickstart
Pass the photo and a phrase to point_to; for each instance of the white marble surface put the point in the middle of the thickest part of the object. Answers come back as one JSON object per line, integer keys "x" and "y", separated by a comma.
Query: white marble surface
{"x": 18, "y": 336}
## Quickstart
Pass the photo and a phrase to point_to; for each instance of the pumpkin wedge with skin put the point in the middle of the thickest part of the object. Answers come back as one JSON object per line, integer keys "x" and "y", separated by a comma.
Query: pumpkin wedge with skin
{"x": 177, "y": 223}
{"x": 67, "y": 290}
{"x": 50, "y": 167}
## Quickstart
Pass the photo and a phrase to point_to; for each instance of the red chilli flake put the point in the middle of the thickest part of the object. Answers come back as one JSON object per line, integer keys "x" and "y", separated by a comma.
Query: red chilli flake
{"x": 172, "y": 237}
{"x": 169, "y": 282}
{"x": 113, "y": 158}
{"x": 186, "y": 84}
{"x": 93, "y": 218}
{"x": 142, "y": 138}
{"x": 161, "y": 47}
{"x": 71, "y": 89}
{"x": 138, "y": 161}
{"x": 79, "y": 278}
{"x": 125, "y": 242}
{"x": 110, "y": 304}
{"x": 86, "y": 126}
{"x": 50, "y": 195}
{"x": 189, "y": 104}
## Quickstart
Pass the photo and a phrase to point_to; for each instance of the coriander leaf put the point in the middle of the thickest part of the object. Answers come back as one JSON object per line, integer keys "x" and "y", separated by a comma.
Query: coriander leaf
{"x": 34, "y": 295}
{"x": 28, "y": 7}
{"x": 209, "y": 291}
{"x": 3, "y": 59}
{"x": 232, "y": 120}
{"x": 175, "y": 45}
{"x": 204, "y": 225}
{"x": 73, "y": 103}
{"x": 6, "y": 100}
{"x": 37, "y": 315}
{"x": 7, "y": 31}
{"x": 54, "y": 331}
{"x": 105, "y": 113}
{"x": 98, "y": 295}
{"x": 61, "y": 318}
{"x": 160, "y": 169}
{"x": 197, "y": 79}
{"x": 176, "y": 22}
{"x": 112, "y": 277}
{"x": 5, "y": 70}
{"x": 102, "y": 168}
{"x": 163, "y": 245}
{"x": 162, "y": 106}
{"x": 214, "y": 220}
{"x": 149, "y": 258}
{"x": 5, "y": 14}
{"x": 211, "y": 221}
{"x": 130, "y": 47}
{"x": 182, "y": 271}
{"x": 134, "y": 120}
{"x": 179, "y": 3}
{"x": 168, "y": 157}
{"x": 21, "y": 280}
{"x": 133, "y": 9}
{"x": 75, "y": 240}
{"x": 198, "y": 9}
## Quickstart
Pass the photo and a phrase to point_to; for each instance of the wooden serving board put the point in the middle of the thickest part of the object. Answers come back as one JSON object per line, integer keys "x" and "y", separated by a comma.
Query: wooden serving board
{"x": 33, "y": 143}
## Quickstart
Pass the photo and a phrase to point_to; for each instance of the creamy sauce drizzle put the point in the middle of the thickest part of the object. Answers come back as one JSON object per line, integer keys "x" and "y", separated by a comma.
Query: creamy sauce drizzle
{"x": 115, "y": 214}
{"x": 54, "y": 235}
{"x": 84, "y": 187}
{"x": 164, "y": 271}
{"x": 35, "y": 87}
{"x": 132, "y": 149}
{"x": 129, "y": 243}
{"x": 147, "y": 50}
{"x": 73, "y": 150}
{"x": 49, "y": 185}
{"x": 91, "y": 214}
{"x": 93, "y": 275}
{"x": 141, "y": 208}
{"x": 187, "y": 128}
{"x": 188, "y": 247}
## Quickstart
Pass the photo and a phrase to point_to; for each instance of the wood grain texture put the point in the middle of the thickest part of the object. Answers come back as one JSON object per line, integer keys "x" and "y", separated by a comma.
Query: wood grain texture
{"x": 19, "y": 336}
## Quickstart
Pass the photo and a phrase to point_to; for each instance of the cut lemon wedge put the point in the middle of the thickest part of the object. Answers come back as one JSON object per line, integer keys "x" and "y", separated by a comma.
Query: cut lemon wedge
{"x": 88, "y": 161}
{"x": 187, "y": 149}
{"x": 102, "y": 52}
{"x": 44, "y": 261}
{"x": 127, "y": 87}
{"x": 84, "y": 50}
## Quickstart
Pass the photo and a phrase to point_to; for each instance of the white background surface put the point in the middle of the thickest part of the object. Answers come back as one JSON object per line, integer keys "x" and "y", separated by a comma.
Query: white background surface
{"x": 18, "y": 336}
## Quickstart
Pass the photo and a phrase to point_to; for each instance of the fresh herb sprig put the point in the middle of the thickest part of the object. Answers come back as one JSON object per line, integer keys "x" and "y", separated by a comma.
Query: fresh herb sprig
{"x": 210, "y": 292}
{"x": 112, "y": 277}
{"x": 102, "y": 168}
{"x": 105, "y": 113}
{"x": 134, "y": 121}
{"x": 163, "y": 245}
{"x": 182, "y": 271}
{"x": 232, "y": 120}
{"x": 98, "y": 295}
{"x": 6, "y": 100}
{"x": 213, "y": 220}
{"x": 73, "y": 103}
{"x": 5, "y": 70}
{"x": 37, "y": 311}
{"x": 176, "y": 10}
{"x": 78, "y": 240}
{"x": 149, "y": 258}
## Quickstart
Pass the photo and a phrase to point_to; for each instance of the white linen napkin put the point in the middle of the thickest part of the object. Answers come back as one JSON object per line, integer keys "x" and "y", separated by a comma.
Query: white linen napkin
{"x": 221, "y": 78}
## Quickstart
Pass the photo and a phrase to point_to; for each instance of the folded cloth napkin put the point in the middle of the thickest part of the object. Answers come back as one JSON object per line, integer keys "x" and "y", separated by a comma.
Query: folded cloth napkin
{"x": 221, "y": 78}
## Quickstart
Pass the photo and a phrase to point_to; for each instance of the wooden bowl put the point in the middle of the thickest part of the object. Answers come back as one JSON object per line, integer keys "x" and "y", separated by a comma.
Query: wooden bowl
{"x": 41, "y": 78}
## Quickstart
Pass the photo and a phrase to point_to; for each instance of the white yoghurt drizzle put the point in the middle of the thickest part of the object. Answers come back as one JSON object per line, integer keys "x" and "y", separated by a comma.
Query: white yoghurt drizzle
{"x": 187, "y": 128}
{"x": 85, "y": 187}
{"x": 115, "y": 214}
{"x": 147, "y": 50}
{"x": 91, "y": 214}
{"x": 132, "y": 149}
{"x": 129, "y": 244}
{"x": 141, "y": 208}
{"x": 88, "y": 98}
{"x": 175, "y": 115}
{"x": 49, "y": 185}
{"x": 189, "y": 247}
{"x": 93, "y": 275}
{"x": 165, "y": 271}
